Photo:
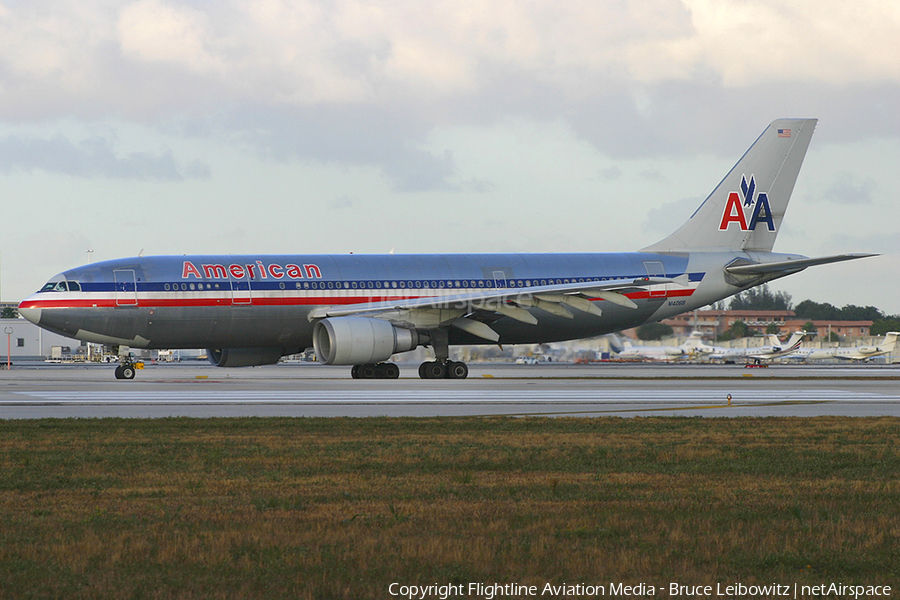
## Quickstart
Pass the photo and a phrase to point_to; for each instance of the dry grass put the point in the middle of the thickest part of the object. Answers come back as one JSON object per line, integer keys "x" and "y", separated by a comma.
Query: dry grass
{"x": 339, "y": 508}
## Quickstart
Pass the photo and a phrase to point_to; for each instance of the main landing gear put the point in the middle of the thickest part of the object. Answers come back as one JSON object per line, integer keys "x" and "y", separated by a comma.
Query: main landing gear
{"x": 442, "y": 367}
{"x": 446, "y": 369}
{"x": 379, "y": 371}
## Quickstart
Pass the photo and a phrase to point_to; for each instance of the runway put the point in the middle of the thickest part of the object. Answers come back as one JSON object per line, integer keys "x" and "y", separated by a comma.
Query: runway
{"x": 37, "y": 390}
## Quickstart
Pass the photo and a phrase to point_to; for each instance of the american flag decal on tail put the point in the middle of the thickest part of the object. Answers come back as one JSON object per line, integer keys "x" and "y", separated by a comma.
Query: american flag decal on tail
{"x": 785, "y": 133}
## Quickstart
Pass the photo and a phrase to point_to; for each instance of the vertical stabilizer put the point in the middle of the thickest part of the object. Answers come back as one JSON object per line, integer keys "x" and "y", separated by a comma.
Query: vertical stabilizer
{"x": 745, "y": 210}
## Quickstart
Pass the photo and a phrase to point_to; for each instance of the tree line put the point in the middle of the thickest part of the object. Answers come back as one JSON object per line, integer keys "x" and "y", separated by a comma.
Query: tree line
{"x": 762, "y": 298}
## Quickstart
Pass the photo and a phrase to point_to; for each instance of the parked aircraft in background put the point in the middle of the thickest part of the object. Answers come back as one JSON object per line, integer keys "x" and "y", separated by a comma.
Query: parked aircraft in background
{"x": 360, "y": 310}
{"x": 665, "y": 353}
{"x": 860, "y": 353}
{"x": 691, "y": 348}
{"x": 774, "y": 349}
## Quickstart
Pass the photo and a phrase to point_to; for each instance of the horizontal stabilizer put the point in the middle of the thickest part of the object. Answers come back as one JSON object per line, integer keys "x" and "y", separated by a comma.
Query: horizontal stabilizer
{"x": 789, "y": 266}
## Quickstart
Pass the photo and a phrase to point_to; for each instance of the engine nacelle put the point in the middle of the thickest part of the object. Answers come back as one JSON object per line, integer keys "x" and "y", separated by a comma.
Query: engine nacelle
{"x": 244, "y": 357}
{"x": 360, "y": 340}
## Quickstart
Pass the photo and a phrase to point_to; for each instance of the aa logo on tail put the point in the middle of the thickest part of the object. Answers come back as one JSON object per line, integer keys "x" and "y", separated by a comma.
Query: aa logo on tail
{"x": 736, "y": 208}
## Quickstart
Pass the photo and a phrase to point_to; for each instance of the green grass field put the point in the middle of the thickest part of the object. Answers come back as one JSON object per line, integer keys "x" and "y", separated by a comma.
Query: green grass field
{"x": 341, "y": 508}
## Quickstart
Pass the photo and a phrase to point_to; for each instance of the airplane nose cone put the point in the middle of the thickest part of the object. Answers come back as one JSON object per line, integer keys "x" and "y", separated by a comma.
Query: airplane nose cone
{"x": 32, "y": 314}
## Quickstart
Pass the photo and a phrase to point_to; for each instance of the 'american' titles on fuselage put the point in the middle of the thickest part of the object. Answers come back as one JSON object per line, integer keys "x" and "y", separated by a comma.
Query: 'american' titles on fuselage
{"x": 251, "y": 270}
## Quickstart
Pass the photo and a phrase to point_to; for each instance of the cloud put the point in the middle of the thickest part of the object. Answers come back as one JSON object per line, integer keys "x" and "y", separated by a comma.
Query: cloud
{"x": 342, "y": 202}
{"x": 93, "y": 157}
{"x": 363, "y": 84}
{"x": 611, "y": 173}
{"x": 663, "y": 220}
{"x": 303, "y": 53}
{"x": 845, "y": 189}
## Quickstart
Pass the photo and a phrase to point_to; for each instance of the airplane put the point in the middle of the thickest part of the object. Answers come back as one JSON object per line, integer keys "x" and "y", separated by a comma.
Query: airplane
{"x": 359, "y": 310}
{"x": 692, "y": 347}
{"x": 774, "y": 349}
{"x": 666, "y": 353}
{"x": 857, "y": 353}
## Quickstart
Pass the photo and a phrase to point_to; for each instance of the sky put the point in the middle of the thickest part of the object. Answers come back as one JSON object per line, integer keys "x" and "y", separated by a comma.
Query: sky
{"x": 267, "y": 126}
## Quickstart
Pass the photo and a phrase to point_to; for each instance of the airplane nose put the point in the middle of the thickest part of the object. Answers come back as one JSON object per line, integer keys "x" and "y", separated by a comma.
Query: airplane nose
{"x": 32, "y": 314}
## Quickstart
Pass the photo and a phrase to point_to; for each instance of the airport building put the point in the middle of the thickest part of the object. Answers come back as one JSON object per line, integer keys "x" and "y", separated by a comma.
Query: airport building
{"x": 27, "y": 340}
{"x": 717, "y": 322}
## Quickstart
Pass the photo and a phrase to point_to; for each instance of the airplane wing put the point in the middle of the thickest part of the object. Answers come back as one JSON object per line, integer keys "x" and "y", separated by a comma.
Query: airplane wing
{"x": 457, "y": 309}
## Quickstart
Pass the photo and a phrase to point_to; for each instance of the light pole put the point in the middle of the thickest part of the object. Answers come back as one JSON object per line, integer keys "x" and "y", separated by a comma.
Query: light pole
{"x": 90, "y": 254}
{"x": 8, "y": 331}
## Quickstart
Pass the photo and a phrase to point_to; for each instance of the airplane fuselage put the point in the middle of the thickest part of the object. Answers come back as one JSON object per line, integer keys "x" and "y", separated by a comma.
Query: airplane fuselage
{"x": 266, "y": 301}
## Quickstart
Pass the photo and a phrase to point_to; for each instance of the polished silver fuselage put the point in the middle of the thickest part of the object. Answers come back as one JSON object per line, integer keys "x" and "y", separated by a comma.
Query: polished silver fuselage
{"x": 266, "y": 301}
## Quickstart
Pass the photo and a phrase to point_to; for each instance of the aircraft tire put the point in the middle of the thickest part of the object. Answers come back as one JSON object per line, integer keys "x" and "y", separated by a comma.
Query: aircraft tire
{"x": 367, "y": 371}
{"x": 457, "y": 370}
{"x": 354, "y": 372}
{"x": 435, "y": 370}
{"x": 119, "y": 372}
{"x": 127, "y": 372}
{"x": 390, "y": 370}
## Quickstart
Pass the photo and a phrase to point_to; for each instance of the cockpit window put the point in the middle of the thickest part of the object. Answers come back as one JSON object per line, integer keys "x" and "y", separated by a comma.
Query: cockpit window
{"x": 61, "y": 286}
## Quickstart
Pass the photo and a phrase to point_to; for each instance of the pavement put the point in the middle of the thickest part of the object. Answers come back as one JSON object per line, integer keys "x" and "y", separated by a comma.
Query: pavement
{"x": 40, "y": 390}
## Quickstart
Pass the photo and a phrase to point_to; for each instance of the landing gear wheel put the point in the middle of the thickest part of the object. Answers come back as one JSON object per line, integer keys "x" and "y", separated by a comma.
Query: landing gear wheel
{"x": 125, "y": 371}
{"x": 457, "y": 370}
{"x": 379, "y": 371}
{"x": 390, "y": 370}
{"x": 432, "y": 370}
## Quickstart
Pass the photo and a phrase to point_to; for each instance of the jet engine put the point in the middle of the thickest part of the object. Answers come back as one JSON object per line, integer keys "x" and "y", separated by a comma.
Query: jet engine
{"x": 360, "y": 340}
{"x": 244, "y": 357}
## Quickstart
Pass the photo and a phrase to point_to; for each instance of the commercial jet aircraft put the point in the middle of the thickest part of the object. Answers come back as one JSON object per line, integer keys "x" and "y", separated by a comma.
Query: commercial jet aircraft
{"x": 359, "y": 310}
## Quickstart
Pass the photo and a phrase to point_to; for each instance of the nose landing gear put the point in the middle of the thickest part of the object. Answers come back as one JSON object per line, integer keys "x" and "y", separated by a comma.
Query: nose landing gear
{"x": 126, "y": 369}
{"x": 127, "y": 366}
